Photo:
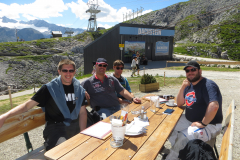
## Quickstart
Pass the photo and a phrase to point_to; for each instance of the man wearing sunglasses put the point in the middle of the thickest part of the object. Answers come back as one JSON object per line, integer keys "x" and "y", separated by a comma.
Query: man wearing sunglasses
{"x": 102, "y": 88}
{"x": 63, "y": 101}
{"x": 203, "y": 114}
{"x": 118, "y": 67}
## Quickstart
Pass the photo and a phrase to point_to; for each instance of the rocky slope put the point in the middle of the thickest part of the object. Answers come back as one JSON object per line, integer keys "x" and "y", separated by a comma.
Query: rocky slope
{"x": 211, "y": 22}
{"x": 34, "y": 63}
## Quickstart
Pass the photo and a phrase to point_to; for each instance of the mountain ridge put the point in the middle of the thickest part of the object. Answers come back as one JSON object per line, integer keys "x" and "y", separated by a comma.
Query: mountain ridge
{"x": 8, "y": 36}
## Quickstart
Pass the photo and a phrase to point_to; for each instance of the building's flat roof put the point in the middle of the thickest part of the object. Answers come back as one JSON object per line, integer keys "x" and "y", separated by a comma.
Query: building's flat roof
{"x": 56, "y": 32}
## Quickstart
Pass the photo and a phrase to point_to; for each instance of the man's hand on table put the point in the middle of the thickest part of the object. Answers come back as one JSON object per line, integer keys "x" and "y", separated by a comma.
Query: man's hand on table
{"x": 136, "y": 100}
{"x": 198, "y": 124}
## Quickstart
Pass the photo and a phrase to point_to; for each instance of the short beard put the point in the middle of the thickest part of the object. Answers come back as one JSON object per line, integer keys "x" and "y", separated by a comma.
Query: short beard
{"x": 195, "y": 79}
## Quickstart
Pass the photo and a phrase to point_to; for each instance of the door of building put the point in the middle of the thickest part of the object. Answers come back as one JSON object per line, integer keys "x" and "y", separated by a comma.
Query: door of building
{"x": 148, "y": 50}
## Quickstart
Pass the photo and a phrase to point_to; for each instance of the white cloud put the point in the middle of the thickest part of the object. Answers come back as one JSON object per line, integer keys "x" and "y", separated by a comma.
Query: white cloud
{"x": 79, "y": 9}
{"x": 107, "y": 14}
{"x": 63, "y": 25}
{"x": 38, "y": 9}
{"x": 106, "y": 26}
{"x": 21, "y": 26}
{"x": 147, "y": 11}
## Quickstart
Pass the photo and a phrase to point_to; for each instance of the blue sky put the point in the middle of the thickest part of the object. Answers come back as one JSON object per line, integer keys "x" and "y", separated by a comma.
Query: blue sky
{"x": 69, "y": 13}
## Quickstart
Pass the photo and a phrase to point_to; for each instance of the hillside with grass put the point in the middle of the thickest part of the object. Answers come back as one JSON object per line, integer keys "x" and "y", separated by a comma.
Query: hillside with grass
{"x": 31, "y": 64}
{"x": 206, "y": 28}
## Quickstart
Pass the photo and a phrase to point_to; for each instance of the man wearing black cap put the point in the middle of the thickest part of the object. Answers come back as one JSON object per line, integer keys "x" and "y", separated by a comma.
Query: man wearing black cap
{"x": 102, "y": 88}
{"x": 203, "y": 114}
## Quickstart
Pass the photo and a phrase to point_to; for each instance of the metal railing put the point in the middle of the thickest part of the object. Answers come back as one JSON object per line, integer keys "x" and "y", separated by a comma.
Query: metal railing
{"x": 207, "y": 62}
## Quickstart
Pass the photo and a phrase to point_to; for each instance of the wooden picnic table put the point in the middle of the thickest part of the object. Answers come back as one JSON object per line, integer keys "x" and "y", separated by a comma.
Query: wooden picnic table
{"x": 144, "y": 146}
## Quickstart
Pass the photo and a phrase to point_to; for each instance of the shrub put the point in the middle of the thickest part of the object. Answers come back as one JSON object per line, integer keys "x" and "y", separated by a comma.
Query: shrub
{"x": 146, "y": 79}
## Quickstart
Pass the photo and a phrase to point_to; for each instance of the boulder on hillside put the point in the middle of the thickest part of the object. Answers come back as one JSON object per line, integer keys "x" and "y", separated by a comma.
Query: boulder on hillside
{"x": 224, "y": 55}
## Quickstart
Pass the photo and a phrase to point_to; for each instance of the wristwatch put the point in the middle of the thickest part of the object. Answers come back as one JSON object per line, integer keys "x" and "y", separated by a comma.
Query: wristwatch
{"x": 133, "y": 98}
{"x": 203, "y": 124}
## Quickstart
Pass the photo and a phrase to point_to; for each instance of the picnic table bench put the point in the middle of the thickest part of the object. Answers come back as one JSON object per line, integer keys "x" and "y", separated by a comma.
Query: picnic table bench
{"x": 227, "y": 140}
{"x": 86, "y": 147}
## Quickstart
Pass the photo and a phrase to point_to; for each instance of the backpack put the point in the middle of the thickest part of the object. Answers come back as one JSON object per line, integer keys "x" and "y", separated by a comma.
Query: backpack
{"x": 197, "y": 150}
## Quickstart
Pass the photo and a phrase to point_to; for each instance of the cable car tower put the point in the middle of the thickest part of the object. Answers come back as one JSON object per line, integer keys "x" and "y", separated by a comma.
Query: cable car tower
{"x": 69, "y": 31}
{"x": 92, "y": 21}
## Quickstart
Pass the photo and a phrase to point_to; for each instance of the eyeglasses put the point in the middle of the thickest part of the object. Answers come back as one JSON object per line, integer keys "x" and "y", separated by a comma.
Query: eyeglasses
{"x": 100, "y": 65}
{"x": 70, "y": 71}
{"x": 192, "y": 70}
{"x": 119, "y": 68}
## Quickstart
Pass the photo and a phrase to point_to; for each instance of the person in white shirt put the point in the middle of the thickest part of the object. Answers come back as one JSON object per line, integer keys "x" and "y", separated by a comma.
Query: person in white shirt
{"x": 133, "y": 65}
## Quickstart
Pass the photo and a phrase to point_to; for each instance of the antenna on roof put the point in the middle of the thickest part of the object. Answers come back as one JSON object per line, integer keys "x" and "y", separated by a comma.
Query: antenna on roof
{"x": 92, "y": 22}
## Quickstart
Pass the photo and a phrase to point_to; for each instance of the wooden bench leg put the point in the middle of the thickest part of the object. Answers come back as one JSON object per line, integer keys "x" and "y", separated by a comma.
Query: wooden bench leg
{"x": 28, "y": 143}
{"x": 216, "y": 151}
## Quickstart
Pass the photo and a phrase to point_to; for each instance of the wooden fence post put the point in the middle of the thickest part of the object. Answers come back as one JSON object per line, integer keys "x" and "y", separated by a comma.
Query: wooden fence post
{"x": 10, "y": 96}
{"x": 164, "y": 78}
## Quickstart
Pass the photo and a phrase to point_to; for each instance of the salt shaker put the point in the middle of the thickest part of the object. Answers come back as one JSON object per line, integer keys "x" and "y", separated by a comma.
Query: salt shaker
{"x": 142, "y": 112}
{"x": 145, "y": 115}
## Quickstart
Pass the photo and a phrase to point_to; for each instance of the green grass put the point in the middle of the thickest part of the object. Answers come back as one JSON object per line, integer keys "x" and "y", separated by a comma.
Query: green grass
{"x": 83, "y": 76}
{"x": 200, "y": 48}
{"x": 169, "y": 81}
{"x": 204, "y": 68}
{"x": 39, "y": 58}
{"x": 133, "y": 82}
{"x": 6, "y": 106}
{"x": 9, "y": 68}
{"x": 48, "y": 41}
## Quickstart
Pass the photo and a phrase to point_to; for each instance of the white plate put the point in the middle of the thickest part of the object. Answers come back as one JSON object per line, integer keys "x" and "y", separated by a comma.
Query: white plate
{"x": 175, "y": 104}
{"x": 133, "y": 134}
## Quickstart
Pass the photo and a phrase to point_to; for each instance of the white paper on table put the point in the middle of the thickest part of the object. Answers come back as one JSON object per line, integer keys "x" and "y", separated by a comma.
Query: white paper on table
{"x": 98, "y": 130}
{"x": 117, "y": 122}
{"x": 133, "y": 129}
{"x": 140, "y": 122}
{"x": 156, "y": 97}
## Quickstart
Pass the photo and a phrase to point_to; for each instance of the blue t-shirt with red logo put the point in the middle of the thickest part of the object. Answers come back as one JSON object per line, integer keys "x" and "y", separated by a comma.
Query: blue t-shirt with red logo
{"x": 197, "y": 98}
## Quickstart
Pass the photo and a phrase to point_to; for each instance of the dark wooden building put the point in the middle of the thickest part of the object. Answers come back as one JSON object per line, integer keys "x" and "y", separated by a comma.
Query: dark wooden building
{"x": 56, "y": 34}
{"x": 155, "y": 42}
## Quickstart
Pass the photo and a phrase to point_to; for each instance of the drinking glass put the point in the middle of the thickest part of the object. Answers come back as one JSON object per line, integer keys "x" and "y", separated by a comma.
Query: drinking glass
{"x": 152, "y": 105}
{"x": 124, "y": 107}
{"x": 118, "y": 133}
{"x": 116, "y": 142}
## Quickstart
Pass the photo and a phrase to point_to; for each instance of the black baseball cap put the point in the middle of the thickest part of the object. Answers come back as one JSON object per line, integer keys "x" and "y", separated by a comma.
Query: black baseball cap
{"x": 192, "y": 64}
{"x": 101, "y": 60}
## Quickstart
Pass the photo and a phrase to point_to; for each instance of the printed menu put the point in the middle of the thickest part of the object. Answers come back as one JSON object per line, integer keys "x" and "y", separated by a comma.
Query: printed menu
{"x": 99, "y": 130}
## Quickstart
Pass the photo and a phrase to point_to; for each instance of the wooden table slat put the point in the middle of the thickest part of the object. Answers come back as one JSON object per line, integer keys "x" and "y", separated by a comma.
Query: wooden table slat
{"x": 71, "y": 144}
{"x": 145, "y": 146}
{"x": 153, "y": 145}
{"x": 132, "y": 145}
{"x": 84, "y": 149}
{"x": 103, "y": 153}
{"x": 66, "y": 146}
{"x": 102, "y": 147}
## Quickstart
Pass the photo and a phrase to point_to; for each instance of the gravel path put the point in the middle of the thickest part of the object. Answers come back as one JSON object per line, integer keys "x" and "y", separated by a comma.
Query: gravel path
{"x": 227, "y": 81}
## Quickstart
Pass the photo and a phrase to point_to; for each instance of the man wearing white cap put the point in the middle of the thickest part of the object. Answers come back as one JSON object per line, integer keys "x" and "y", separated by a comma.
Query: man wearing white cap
{"x": 203, "y": 114}
{"x": 102, "y": 88}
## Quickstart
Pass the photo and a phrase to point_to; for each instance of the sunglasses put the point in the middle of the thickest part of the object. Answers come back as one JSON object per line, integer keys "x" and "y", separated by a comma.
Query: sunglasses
{"x": 119, "y": 68}
{"x": 192, "y": 70}
{"x": 70, "y": 71}
{"x": 101, "y": 65}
